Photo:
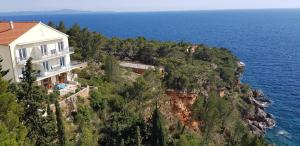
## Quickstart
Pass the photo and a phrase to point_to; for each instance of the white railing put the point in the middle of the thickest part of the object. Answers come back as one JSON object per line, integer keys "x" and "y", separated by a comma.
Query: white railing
{"x": 38, "y": 56}
{"x": 52, "y": 54}
{"x": 57, "y": 69}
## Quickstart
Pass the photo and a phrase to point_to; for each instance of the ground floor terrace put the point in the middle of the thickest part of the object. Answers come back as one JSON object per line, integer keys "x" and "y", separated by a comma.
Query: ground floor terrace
{"x": 63, "y": 82}
{"x": 63, "y": 79}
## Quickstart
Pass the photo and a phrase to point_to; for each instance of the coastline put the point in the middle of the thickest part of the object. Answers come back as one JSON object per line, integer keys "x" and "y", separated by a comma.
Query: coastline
{"x": 249, "y": 48}
{"x": 259, "y": 121}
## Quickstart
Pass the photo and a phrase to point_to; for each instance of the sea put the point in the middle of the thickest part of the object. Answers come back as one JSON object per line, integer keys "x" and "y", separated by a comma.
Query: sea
{"x": 267, "y": 41}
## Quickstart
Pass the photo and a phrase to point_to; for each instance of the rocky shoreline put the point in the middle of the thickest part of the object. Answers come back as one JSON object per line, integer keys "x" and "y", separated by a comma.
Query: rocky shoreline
{"x": 260, "y": 120}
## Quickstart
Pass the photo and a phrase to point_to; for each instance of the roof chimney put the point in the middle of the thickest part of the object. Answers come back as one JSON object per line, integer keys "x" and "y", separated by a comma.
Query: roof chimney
{"x": 11, "y": 24}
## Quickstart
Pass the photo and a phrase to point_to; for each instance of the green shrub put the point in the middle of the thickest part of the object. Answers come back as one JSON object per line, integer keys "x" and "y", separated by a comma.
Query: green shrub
{"x": 97, "y": 100}
{"x": 83, "y": 114}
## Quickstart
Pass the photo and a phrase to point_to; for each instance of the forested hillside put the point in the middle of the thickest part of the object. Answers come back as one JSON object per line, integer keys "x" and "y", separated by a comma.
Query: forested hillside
{"x": 126, "y": 108}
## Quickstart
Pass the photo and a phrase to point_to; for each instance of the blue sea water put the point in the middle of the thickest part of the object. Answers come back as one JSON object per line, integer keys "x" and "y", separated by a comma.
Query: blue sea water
{"x": 268, "y": 41}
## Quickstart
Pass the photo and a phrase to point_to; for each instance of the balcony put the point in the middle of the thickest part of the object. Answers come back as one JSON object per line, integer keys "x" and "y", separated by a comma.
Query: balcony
{"x": 51, "y": 54}
{"x": 57, "y": 69}
{"x": 37, "y": 56}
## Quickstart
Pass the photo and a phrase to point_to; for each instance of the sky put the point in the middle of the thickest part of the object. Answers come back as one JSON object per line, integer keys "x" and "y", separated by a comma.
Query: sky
{"x": 142, "y": 5}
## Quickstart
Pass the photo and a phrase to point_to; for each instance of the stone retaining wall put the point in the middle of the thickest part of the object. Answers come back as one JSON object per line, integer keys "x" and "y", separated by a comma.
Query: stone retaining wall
{"x": 68, "y": 105}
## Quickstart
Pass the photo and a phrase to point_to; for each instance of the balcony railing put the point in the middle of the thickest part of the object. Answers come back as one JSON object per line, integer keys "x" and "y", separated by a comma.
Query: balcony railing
{"x": 39, "y": 56}
{"x": 57, "y": 69}
{"x": 52, "y": 54}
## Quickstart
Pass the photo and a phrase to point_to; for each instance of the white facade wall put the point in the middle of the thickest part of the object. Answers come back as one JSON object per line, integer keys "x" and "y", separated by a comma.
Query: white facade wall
{"x": 7, "y": 62}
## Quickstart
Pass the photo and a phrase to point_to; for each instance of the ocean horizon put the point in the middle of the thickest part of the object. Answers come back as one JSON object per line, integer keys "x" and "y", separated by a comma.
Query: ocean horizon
{"x": 267, "y": 40}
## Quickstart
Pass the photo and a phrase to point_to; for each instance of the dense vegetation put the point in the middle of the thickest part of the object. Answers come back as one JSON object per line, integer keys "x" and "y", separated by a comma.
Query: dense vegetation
{"x": 125, "y": 108}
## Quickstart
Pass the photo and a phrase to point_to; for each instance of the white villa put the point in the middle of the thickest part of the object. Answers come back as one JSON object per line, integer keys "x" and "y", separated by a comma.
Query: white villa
{"x": 48, "y": 48}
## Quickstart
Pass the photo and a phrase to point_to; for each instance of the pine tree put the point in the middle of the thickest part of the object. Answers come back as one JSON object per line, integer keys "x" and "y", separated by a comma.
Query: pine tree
{"x": 51, "y": 24}
{"x": 61, "y": 27}
{"x": 74, "y": 33}
{"x": 138, "y": 138}
{"x": 157, "y": 133}
{"x": 74, "y": 30}
{"x": 60, "y": 125}
{"x": 85, "y": 43}
{"x": 145, "y": 54}
{"x": 48, "y": 135}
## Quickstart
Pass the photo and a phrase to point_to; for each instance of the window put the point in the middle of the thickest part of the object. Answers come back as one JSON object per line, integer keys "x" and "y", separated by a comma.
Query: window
{"x": 22, "y": 54}
{"x": 60, "y": 46}
{"x": 44, "y": 50}
{"x": 46, "y": 66}
{"x": 62, "y": 61}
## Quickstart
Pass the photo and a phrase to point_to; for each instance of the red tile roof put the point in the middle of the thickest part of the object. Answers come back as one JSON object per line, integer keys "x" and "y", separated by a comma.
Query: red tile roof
{"x": 8, "y": 35}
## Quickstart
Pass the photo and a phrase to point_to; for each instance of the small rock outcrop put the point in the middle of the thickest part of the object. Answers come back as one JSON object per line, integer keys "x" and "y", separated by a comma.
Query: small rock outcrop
{"x": 260, "y": 120}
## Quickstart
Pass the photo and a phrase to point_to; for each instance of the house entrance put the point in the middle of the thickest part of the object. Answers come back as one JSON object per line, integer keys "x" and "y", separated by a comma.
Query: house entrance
{"x": 47, "y": 83}
{"x": 62, "y": 78}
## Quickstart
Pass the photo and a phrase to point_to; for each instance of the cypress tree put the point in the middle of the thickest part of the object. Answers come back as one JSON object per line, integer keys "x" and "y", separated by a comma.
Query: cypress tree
{"x": 60, "y": 125}
{"x": 108, "y": 68}
{"x": 111, "y": 68}
{"x": 138, "y": 138}
{"x": 157, "y": 132}
{"x": 32, "y": 98}
{"x": 50, "y": 125}
{"x": 122, "y": 142}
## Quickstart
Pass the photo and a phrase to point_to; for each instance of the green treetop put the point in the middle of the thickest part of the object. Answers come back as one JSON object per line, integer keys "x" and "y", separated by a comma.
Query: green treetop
{"x": 61, "y": 27}
{"x": 12, "y": 131}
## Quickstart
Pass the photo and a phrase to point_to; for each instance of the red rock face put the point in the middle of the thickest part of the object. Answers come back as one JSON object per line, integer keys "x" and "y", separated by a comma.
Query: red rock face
{"x": 181, "y": 103}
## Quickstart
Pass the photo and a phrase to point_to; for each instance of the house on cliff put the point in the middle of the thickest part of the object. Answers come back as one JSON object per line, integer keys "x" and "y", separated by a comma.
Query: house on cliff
{"x": 48, "y": 48}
